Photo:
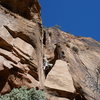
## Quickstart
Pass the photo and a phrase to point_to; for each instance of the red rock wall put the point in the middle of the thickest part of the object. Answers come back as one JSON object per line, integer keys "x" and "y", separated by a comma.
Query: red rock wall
{"x": 64, "y": 66}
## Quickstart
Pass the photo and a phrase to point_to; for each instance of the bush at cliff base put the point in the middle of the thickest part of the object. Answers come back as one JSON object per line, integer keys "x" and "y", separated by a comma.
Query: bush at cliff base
{"x": 24, "y": 94}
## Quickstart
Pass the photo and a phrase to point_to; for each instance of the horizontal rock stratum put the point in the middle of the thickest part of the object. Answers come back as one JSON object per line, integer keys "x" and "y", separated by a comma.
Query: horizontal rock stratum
{"x": 66, "y": 67}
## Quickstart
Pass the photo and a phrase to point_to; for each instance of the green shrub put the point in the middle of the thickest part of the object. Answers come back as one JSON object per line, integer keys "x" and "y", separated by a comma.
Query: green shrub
{"x": 24, "y": 94}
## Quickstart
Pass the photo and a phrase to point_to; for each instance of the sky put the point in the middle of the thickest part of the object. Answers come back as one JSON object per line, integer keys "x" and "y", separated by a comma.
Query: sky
{"x": 79, "y": 17}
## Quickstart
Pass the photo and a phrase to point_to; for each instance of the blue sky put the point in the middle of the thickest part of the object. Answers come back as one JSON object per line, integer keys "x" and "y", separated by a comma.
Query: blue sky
{"x": 79, "y": 17}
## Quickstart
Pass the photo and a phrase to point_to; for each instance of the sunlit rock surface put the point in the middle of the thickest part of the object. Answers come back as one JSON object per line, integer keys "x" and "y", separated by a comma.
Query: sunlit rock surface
{"x": 66, "y": 67}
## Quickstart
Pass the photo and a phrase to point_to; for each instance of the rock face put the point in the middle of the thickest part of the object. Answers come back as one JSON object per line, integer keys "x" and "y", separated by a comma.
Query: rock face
{"x": 20, "y": 43}
{"x": 82, "y": 56}
{"x": 29, "y": 9}
{"x": 64, "y": 66}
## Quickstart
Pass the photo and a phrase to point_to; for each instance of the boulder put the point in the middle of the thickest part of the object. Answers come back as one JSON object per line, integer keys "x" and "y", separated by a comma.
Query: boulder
{"x": 60, "y": 79}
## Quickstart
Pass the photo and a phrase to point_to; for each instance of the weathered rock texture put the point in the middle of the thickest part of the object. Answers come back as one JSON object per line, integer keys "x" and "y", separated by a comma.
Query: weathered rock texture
{"x": 20, "y": 46}
{"x": 64, "y": 66}
{"x": 29, "y": 9}
{"x": 82, "y": 56}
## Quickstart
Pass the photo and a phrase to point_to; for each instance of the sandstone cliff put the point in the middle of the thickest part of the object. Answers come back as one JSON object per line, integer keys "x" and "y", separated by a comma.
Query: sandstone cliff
{"x": 66, "y": 67}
